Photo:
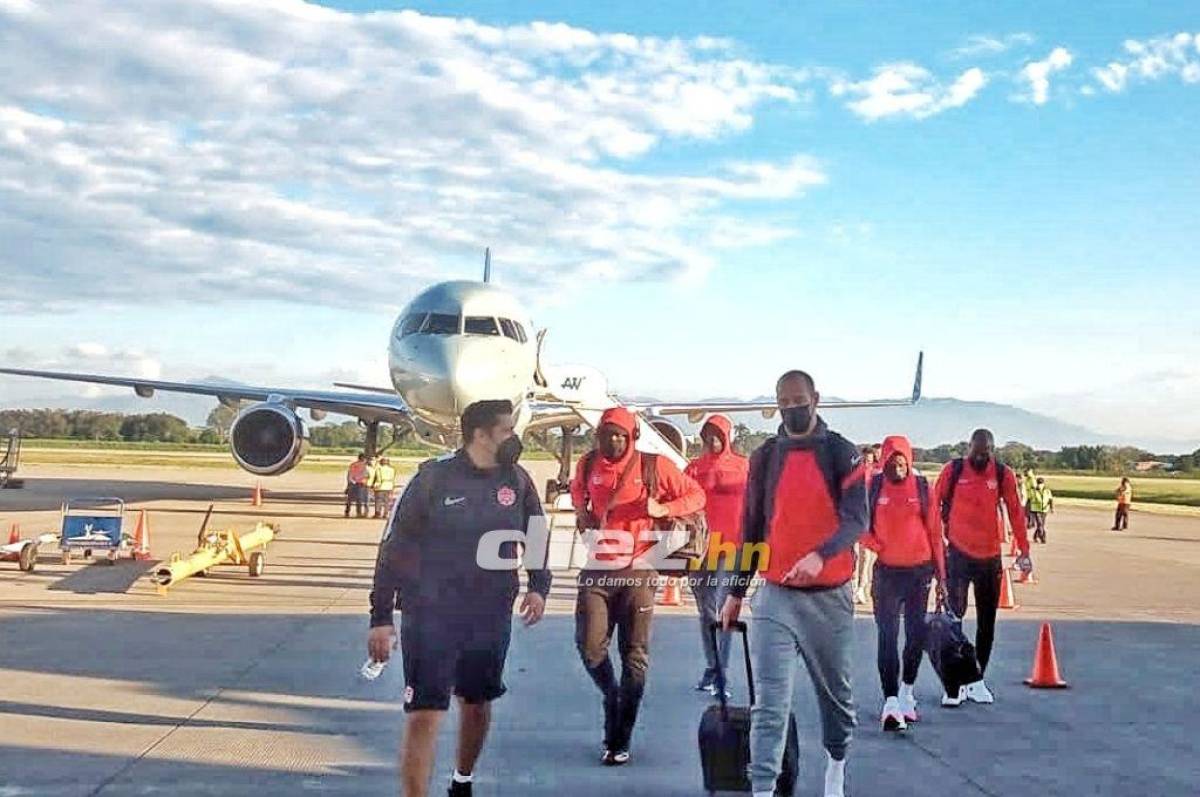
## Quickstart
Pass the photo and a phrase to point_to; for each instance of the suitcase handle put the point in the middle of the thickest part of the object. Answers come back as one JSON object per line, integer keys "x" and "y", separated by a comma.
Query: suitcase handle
{"x": 742, "y": 628}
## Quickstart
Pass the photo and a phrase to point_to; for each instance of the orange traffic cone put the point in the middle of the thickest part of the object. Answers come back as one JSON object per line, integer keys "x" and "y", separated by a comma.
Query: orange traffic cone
{"x": 256, "y": 499}
{"x": 141, "y": 537}
{"x": 1045, "y": 664}
{"x": 1007, "y": 599}
{"x": 671, "y": 594}
{"x": 14, "y": 533}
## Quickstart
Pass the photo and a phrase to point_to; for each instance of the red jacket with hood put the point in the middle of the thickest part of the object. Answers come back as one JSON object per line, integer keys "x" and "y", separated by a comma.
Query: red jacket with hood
{"x": 900, "y": 533}
{"x": 678, "y": 493}
{"x": 804, "y": 495}
{"x": 723, "y": 477}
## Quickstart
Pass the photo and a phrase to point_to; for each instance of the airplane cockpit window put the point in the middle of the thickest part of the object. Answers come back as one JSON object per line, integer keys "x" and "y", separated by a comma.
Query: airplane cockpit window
{"x": 481, "y": 325}
{"x": 520, "y": 331}
{"x": 441, "y": 324}
{"x": 509, "y": 328}
{"x": 411, "y": 324}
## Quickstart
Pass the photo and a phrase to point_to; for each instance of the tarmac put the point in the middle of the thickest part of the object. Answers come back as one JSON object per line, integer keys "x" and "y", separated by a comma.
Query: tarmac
{"x": 232, "y": 685}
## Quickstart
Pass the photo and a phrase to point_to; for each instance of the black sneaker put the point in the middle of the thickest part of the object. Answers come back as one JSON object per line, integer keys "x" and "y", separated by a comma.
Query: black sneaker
{"x": 459, "y": 789}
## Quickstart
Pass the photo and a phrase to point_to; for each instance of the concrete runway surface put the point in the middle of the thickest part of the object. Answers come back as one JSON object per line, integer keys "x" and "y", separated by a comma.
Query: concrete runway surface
{"x": 238, "y": 686}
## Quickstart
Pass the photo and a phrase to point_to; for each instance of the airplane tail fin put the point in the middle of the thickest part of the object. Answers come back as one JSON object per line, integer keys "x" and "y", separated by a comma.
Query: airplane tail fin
{"x": 487, "y": 264}
{"x": 916, "y": 394}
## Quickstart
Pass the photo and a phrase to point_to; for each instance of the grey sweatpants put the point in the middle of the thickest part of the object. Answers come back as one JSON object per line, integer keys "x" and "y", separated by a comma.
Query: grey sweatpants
{"x": 789, "y": 625}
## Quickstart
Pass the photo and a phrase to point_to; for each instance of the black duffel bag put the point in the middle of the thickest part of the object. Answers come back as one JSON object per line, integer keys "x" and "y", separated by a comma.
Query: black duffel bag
{"x": 950, "y": 652}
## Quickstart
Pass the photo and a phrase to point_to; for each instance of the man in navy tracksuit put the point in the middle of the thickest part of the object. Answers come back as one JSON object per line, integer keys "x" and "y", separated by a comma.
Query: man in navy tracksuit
{"x": 457, "y": 618}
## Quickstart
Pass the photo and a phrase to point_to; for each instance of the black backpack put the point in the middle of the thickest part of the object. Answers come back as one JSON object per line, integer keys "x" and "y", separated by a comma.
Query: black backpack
{"x": 877, "y": 487}
{"x": 956, "y": 469}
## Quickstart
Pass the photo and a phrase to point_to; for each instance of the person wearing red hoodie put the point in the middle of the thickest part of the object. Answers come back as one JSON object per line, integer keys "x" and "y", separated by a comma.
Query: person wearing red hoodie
{"x": 806, "y": 499}
{"x": 616, "y": 590}
{"x": 722, "y": 473}
{"x": 906, "y": 536}
{"x": 970, "y": 491}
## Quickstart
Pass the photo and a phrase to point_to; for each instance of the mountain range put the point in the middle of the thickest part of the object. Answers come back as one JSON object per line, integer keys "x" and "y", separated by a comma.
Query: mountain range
{"x": 930, "y": 423}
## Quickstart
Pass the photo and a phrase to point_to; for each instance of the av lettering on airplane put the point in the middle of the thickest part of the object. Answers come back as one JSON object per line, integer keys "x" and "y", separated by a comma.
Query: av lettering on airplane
{"x": 455, "y": 343}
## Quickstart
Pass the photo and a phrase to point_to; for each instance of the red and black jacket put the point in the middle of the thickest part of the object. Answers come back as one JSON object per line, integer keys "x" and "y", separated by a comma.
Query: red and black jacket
{"x": 803, "y": 495}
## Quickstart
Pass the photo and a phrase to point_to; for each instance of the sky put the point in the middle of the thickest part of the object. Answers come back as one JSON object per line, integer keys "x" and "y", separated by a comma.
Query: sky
{"x": 691, "y": 196}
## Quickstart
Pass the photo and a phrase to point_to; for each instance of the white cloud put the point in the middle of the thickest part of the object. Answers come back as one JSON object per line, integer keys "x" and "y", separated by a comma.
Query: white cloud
{"x": 289, "y": 151}
{"x": 1153, "y": 59}
{"x": 984, "y": 45}
{"x": 906, "y": 89}
{"x": 1037, "y": 75}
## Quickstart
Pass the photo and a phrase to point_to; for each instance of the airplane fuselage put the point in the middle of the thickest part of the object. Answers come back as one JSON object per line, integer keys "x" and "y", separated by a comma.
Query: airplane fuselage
{"x": 457, "y": 343}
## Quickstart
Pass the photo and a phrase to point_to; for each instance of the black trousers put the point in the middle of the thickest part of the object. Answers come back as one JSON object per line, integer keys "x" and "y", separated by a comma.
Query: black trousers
{"x": 621, "y": 601}
{"x": 1122, "y": 519}
{"x": 1039, "y": 527}
{"x": 984, "y": 575}
{"x": 896, "y": 591}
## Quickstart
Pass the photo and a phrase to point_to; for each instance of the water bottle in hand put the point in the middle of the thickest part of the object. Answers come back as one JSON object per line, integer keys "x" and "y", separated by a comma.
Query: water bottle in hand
{"x": 372, "y": 669}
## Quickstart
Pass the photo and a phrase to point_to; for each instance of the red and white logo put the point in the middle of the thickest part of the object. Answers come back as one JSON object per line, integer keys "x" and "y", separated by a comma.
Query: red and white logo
{"x": 506, "y": 496}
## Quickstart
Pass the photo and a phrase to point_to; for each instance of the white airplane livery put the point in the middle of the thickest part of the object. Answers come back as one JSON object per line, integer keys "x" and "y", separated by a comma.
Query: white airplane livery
{"x": 454, "y": 344}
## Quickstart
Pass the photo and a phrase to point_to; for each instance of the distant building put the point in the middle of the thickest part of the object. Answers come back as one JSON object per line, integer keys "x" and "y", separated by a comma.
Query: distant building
{"x": 1151, "y": 465}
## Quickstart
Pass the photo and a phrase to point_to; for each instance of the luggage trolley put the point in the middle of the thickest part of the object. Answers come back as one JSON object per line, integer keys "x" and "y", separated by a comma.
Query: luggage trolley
{"x": 93, "y": 525}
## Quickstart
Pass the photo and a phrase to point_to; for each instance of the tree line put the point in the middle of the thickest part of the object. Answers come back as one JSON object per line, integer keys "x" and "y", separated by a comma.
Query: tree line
{"x": 161, "y": 427}
{"x": 1093, "y": 459}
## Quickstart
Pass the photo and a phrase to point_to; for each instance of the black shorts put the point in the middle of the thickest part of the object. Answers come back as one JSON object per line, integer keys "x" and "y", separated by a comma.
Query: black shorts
{"x": 460, "y": 655}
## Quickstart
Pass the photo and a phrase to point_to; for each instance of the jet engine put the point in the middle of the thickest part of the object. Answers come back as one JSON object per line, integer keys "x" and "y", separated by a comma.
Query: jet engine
{"x": 268, "y": 439}
{"x": 672, "y": 433}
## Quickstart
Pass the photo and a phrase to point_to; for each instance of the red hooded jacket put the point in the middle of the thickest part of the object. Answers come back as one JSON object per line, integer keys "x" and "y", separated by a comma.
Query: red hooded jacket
{"x": 723, "y": 477}
{"x": 899, "y": 534}
{"x": 678, "y": 493}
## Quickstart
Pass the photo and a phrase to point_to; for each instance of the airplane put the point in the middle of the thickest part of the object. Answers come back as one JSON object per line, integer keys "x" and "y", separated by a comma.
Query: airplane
{"x": 455, "y": 343}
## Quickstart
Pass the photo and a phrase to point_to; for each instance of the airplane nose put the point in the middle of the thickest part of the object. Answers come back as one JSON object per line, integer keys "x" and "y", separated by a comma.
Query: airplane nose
{"x": 478, "y": 374}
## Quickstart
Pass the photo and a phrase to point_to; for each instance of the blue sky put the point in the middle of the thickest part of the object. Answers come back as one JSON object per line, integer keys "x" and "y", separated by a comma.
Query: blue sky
{"x": 725, "y": 192}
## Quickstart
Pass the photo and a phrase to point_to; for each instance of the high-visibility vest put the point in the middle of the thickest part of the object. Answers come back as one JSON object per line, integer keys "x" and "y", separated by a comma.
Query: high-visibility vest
{"x": 1040, "y": 499}
{"x": 385, "y": 478}
{"x": 1125, "y": 494}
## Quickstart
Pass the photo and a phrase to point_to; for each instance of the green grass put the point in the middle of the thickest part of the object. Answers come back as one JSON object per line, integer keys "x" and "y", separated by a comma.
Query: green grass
{"x": 1174, "y": 491}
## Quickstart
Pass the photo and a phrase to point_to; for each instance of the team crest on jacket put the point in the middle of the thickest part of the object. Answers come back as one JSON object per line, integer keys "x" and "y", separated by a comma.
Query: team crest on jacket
{"x": 506, "y": 496}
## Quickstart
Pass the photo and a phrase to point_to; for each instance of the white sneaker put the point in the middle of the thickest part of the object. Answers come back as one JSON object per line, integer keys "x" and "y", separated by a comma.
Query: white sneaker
{"x": 835, "y": 777}
{"x": 908, "y": 706}
{"x": 979, "y": 693}
{"x": 955, "y": 702}
{"x": 892, "y": 718}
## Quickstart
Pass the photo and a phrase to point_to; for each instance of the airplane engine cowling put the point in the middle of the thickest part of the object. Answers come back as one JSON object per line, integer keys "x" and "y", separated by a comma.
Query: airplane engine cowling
{"x": 673, "y": 434}
{"x": 268, "y": 439}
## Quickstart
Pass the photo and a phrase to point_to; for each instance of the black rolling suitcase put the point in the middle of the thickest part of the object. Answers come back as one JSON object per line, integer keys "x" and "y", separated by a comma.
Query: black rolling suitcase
{"x": 725, "y": 738}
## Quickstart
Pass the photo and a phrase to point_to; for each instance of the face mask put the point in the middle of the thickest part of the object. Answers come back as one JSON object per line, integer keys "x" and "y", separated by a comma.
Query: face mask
{"x": 509, "y": 451}
{"x": 893, "y": 472}
{"x": 610, "y": 448}
{"x": 797, "y": 419}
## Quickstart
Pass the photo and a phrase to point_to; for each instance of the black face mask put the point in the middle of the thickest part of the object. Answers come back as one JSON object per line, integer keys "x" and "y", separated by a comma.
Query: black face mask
{"x": 609, "y": 450}
{"x": 797, "y": 419}
{"x": 509, "y": 451}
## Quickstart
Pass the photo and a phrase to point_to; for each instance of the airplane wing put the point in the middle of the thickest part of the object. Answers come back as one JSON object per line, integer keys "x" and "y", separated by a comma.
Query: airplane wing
{"x": 369, "y": 407}
{"x": 696, "y": 410}
{"x": 586, "y": 408}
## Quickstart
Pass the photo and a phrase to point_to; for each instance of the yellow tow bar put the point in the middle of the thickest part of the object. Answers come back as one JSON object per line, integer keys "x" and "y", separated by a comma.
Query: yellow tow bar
{"x": 218, "y": 548}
